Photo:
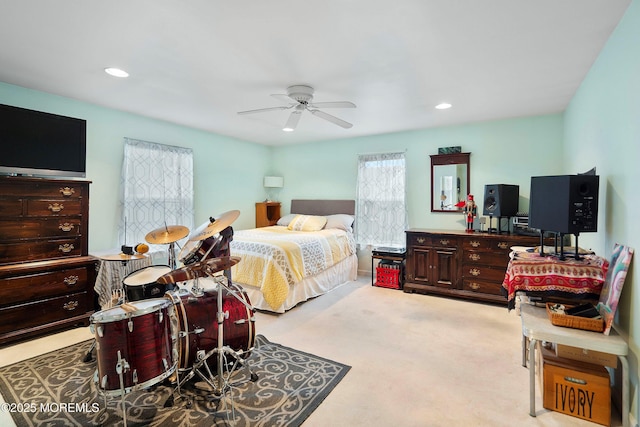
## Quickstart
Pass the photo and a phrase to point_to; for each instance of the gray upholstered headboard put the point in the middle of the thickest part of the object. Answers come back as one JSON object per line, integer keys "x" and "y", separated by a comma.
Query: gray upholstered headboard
{"x": 323, "y": 207}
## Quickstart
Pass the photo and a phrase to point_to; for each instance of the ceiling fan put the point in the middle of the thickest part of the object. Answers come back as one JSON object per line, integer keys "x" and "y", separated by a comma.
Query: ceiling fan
{"x": 300, "y": 98}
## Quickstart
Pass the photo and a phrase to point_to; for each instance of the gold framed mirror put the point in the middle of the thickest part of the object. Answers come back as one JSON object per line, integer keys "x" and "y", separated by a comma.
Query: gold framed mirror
{"x": 450, "y": 181}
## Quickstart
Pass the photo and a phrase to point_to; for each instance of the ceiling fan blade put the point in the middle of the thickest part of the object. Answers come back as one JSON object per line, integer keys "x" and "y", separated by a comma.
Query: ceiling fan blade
{"x": 331, "y": 118}
{"x": 262, "y": 110}
{"x": 335, "y": 104}
{"x": 283, "y": 97}
{"x": 294, "y": 118}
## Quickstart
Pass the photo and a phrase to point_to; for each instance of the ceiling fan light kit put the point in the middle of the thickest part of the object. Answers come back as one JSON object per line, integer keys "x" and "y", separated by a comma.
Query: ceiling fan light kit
{"x": 302, "y": 97}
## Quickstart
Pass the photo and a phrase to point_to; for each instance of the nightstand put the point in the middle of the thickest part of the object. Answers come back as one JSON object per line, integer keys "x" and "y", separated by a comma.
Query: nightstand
{"x": 389, "y": 272}
{"x": 267, "y": 213}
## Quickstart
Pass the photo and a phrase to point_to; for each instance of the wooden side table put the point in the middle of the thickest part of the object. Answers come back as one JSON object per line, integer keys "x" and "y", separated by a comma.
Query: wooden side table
{"x": 536, "y": 326}
{"x": 395, "y": 257}
{"x": 267, "y": 213}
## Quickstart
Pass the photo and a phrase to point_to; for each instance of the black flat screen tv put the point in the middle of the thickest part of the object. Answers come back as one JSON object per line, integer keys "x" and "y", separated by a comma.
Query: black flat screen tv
{"x": 41, "y": 144}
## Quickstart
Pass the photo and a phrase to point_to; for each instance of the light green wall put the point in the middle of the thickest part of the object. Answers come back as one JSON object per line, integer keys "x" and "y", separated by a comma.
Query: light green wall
{"x": 602, "y": 129}
{"x": 502, "y": 152}
{"x": 227, "y": 172}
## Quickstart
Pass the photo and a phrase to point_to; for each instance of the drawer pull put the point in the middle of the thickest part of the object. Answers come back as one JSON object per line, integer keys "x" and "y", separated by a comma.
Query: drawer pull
{"x": 66, "y": 248}
{"x": 56, "y": 207}
{"x": 66, "y": 227}
{"x": 474, "y": 272}
{"x": 474, "y": 257}
{"x": 444, "y": 242}
{"x": 70, "y": 306}
{"x": 474, "y": 286}
{"x": 67, "y": 191}
{"x": 475, "y": 243}
{"x": 503, "y": 245}
{"x": 420, "y": 239}
{"x": 71, "y": 280}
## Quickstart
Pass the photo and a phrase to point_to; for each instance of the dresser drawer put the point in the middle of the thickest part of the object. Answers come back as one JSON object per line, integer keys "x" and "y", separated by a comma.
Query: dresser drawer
{"x": 10, "y": 208}
{"x": 433, "y": 240}
{"x": 43, "y": 312}
{"x": 39, "y": 228}
{"x": 482, "y": 272}
{"x": 503, "y": 245}
{"x": 491, "y": 258}
{"x": 482, "y": 286}
{"x": 40, "y": 250}
{"x": 53, "y": 207}
{"x": 15, "y": 187}
{"x": 20, "y": 289}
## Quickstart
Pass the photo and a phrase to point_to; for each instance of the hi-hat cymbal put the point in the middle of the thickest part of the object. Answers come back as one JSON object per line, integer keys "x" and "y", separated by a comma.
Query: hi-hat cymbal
{"x": 211, "y": 228}
{"x": 167, "y": 234}
{"x": 200, "y": 269}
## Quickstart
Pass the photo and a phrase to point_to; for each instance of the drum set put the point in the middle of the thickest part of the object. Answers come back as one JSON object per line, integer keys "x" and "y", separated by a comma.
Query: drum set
{"x": 160, "y": 329}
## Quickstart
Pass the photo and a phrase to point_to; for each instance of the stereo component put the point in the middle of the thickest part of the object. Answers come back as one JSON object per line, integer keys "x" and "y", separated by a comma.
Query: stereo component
{"x": 501, "y": 200}
{"x": 565, "y": 204}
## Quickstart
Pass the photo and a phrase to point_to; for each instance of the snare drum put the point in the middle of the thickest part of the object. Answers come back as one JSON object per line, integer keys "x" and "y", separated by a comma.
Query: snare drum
{"x": 199, "y": 327}
{"x": 141, "y": 284}
{"x": 145, "y": 340}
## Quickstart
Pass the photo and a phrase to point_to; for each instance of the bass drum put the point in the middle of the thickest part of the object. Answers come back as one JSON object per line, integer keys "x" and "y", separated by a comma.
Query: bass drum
{"x": 145, "y": 338}
{"x": 142, "y": 284}
{"x": 199, "y": 327}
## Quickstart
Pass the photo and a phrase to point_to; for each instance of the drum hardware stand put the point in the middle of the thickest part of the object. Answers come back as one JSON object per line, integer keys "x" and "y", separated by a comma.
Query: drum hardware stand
{"x": 172, "y": 255}
{"x": 222, "y": 384}
{"x": 121, "y": 367}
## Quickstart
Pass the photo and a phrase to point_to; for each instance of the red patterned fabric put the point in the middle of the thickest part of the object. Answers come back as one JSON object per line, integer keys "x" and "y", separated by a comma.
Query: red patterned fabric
{"x": 529, "y": 272}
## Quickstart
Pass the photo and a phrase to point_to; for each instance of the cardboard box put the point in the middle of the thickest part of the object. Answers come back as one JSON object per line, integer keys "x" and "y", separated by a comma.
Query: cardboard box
{"x": 589, "y": 356}
{"x": 576, "y": 388}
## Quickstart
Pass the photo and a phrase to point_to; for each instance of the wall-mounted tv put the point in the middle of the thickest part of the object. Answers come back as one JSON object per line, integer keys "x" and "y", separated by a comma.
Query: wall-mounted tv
{"x": 41, "y": 144}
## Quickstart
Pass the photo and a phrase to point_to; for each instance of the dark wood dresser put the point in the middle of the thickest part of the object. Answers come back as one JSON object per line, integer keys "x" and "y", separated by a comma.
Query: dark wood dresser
{"x": 460, "y": 264}
{"x": 46, "y": 274}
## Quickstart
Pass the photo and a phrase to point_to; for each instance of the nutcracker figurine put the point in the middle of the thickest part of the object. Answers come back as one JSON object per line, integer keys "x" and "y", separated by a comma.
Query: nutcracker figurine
{"x": 470, "y": 212}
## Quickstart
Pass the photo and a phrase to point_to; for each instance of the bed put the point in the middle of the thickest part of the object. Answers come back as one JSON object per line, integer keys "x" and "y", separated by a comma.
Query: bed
{"x": 307, "y": 254}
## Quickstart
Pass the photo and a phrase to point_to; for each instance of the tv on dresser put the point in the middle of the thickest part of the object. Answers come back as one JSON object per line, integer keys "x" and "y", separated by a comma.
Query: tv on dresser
{"x": 41, "y": 144}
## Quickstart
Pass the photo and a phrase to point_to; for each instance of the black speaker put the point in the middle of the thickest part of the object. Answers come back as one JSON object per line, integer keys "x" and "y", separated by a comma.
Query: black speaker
{"x": 564, "y": 204}
{"x": 501, "y": 200}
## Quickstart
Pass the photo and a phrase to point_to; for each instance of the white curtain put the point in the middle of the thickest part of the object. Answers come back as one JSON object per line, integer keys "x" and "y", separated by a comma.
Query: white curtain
{"x": 157, "y": 190}
{"x": 381, "y": 211}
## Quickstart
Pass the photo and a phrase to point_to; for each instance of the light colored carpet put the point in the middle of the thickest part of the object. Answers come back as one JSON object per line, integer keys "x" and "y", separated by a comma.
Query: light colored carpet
{"x": 416, "y": 360}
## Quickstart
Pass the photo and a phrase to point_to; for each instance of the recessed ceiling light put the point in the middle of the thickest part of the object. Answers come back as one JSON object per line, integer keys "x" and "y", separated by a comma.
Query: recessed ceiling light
{"x": 287, "y": 129}
{"x": 116, "y": 72}
{"x": 443, "y": 106}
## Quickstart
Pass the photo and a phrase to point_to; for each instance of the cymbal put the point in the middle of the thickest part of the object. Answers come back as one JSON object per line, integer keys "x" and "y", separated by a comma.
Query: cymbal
{"x": 167, "y": 234}
{"x": 211, "y": 228}
{"x": 200, "y": 269}
{"x": 121, "y": 257}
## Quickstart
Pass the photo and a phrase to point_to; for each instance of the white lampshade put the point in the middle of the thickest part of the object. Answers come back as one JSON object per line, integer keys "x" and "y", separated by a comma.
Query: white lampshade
{"x": 273, "y": 182}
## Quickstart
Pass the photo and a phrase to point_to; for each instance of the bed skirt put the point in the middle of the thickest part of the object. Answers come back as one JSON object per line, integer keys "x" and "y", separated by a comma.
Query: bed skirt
{"x": 310, "y": 287}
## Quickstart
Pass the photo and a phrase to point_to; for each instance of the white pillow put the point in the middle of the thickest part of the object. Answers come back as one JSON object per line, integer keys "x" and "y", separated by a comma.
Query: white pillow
{"x": 285, "y": 220}
{"x": 341, "y": 222}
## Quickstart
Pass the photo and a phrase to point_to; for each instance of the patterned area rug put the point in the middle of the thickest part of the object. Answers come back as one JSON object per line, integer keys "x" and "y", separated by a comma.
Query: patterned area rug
{"x": 57, "y": 388}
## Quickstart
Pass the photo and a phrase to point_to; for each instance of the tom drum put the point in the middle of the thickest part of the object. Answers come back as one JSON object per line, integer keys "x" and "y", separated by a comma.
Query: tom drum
{"x": 142, "y": 284}
{"x": 142, "y": 338}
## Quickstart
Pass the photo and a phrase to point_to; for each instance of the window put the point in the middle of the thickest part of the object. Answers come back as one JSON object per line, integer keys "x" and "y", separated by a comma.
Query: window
{"x": 381, "y": 212}
{"x": 157, "y": 185}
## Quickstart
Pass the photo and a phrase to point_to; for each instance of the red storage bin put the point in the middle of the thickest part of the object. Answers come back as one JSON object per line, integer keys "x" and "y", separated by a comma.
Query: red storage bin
{"x": 389, "y": 276}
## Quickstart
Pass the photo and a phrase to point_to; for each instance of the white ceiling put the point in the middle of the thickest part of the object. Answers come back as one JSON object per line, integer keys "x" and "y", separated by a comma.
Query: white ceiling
{"x": 199, "y": 62}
